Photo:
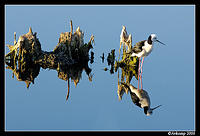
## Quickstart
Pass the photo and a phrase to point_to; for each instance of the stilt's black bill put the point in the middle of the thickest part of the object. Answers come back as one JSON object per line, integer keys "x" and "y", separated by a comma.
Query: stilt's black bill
{"x": 156, "y": 107}
{"x": 160, "y": 42}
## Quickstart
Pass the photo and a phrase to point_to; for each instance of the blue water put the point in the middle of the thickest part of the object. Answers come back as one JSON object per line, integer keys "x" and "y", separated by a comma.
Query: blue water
{"x": 168, "y": 72}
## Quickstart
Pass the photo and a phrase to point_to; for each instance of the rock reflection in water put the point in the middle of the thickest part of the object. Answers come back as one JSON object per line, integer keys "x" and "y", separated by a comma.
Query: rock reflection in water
{"x": 70, "y": 57}
{"x": 129, "y": 68}
{"x": 102, "y": 58}
{"x": 110, "y": 61}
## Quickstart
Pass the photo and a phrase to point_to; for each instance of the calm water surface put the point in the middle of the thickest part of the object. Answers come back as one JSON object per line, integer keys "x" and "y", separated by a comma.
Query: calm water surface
{"x": 168, "y": 75}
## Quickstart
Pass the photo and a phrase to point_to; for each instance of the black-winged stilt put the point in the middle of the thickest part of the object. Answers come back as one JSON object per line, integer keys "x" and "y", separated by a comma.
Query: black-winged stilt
{"x": 143, "y": 49}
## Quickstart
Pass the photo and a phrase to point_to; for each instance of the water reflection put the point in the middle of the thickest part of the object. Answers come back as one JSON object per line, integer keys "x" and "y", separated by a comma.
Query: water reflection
{"x": 127, "y": 68}
{"x": 69, "y": 58}
{"x": 102, "y": 57}
{"x": 140, "y": 98}
{"x": 91, "y": 57}
{"x": 111, "y": 60}
{"x": 21, "y": 57}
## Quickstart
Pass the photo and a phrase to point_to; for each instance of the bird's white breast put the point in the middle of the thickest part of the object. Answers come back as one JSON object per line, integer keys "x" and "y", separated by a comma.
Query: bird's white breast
{"x": 147, "y": 48}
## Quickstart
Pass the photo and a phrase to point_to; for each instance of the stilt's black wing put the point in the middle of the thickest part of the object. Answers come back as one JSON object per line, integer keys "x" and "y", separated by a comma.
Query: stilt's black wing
{"x": 135, "y": 99}
{"x": 138, "y": 47}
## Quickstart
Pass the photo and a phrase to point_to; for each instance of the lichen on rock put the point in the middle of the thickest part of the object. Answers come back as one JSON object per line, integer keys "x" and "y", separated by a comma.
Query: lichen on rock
{"x": 129, "y": 68}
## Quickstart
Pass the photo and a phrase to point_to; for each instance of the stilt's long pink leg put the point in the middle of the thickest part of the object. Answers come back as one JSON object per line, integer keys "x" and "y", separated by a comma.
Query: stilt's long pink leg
{"x": 139, "y": 75}
{"x": 141, "y": 72}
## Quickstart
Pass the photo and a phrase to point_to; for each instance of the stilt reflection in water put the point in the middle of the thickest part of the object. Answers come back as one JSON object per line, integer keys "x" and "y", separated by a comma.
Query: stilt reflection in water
{"x": 140, "y": 98}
